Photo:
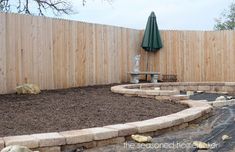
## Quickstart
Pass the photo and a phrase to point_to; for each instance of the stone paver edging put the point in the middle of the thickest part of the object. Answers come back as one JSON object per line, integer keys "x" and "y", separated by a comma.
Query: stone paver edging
{"x": 174, "y": 86}
{"x": 111, "y": 134}
{"x": 171, "y": 90}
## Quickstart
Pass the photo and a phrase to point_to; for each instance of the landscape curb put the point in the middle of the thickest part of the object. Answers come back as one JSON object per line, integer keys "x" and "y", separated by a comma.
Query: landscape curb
{"x": 111, "y": 134}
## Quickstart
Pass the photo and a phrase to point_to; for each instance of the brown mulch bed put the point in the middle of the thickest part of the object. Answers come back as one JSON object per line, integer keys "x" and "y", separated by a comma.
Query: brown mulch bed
{"x": 75, "y": 108}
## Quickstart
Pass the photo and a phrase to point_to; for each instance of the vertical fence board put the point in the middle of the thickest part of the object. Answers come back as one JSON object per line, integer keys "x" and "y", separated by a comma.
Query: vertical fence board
{"x": 3, "y": 57}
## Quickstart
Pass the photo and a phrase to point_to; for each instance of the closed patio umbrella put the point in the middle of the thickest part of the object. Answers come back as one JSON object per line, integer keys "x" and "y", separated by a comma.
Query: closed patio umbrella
{"x": 151, "y": 41}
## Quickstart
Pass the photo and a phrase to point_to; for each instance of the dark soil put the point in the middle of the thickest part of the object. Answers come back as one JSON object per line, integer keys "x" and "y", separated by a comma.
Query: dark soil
{"x": 75, "y": 108}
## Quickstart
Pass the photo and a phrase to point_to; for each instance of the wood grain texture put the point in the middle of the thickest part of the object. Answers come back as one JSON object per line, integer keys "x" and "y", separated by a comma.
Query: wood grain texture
{"x": 56, "y": 53}
{"x": 195, "y": 55}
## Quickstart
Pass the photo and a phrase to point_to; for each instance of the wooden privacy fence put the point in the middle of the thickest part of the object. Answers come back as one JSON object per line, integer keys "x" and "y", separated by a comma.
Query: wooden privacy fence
{"x": 60, "y": 53}
{"x": 195, "y": 55}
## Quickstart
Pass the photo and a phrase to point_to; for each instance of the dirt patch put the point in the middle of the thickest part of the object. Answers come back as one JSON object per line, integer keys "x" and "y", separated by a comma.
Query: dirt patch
{"x": 75, "y": 108}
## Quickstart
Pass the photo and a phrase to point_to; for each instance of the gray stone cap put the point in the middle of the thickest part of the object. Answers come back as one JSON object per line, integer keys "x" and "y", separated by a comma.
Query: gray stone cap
{"x": 144, "y": 72}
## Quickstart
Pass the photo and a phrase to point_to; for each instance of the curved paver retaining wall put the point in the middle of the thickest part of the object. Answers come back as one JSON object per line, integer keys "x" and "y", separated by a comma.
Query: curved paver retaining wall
{"x": 180, "y": 86}
{"x": 112, "y": 134}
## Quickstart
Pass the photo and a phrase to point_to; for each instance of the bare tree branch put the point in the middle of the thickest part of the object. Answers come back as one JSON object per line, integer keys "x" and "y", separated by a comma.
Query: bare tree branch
{"x": 58, "y": 7}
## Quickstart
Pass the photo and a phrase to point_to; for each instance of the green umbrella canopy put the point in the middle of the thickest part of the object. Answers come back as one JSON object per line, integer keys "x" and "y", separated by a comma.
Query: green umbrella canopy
{"x": 152, "y": 40}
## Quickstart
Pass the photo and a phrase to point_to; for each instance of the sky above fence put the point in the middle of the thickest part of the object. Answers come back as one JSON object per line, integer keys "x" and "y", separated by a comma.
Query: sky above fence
{"x": 171, "y": 14}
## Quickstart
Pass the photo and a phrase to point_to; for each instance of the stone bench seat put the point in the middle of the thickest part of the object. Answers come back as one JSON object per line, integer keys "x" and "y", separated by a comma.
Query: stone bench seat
{"x": 135, "y": 76}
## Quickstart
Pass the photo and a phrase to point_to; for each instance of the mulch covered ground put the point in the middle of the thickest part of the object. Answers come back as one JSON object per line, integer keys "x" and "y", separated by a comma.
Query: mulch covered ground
{"x": 75, "y": 108}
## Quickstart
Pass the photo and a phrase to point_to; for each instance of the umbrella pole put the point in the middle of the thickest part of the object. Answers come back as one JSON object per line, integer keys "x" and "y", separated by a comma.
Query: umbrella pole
{"x": 146, "y": 77}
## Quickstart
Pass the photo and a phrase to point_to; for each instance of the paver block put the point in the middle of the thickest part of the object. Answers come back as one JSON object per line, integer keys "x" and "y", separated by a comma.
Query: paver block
{"x": 185, "y": 83}
{"x": 153, "y": 124}
{"x": 123, "y": 129}
{"x": 199, "y": 103}
{"x": 101, "y": 133}
{"x": 205, "y": 109}
{"x": 173, "y": 120}
{"x": 175, "y": 92}
{"x": 182, "y": 88}
{"x": 165, "y": 87}
{"x": 77, "y": 136}
{"x": 141, "y": 92}
{"x": 192, "y": 88}
{"x": 24, "y": 140}
{"x": 189, "y": 114}
{"x": 153, "y": 92}
{"x": 175, "y": 83}
{"x": 217, "y": 83}
{"x": 105, "y": 142}
{"x": 165, "y": 93}
{"x": 49, "y": 139}
{"x": 230, "y": 84}
{"x": 229, "y": 89}
{"x": 191, "y": 84}
{"x": 120, "y": 90}
{"x": 162, "y": 97}
{"x": 204, "y": 88}
{"x": 1, "y": 144}
{"x": 130, "y": 91}
{"x": 179, "y": 97}
{"x": 217, "y": 88}
{"x": 193, "y": 103}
